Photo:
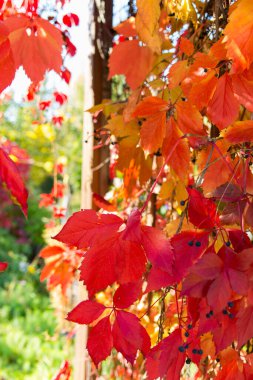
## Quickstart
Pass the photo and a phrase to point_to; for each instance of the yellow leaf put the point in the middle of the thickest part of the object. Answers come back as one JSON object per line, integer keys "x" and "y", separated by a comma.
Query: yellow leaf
{"x": 147, "y": 23}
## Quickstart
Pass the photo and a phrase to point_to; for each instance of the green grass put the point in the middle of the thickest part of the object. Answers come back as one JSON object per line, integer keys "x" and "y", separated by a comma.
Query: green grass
{"x": 28, "y": 348}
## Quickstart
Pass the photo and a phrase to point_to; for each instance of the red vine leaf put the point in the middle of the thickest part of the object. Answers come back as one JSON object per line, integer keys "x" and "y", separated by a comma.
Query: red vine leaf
{"x": 166, "y": 359}
{"x": 129, "y": 335}
{"x": 86, "y": 312}
{"x": 36, "y": 45}
{"x": 9, "y": 174}
{"x": 100, "y": 341}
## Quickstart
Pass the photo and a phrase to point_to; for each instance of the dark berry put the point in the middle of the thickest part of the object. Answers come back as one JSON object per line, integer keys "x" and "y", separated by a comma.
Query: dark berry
{"x": 188, "y": 361}
{"x": 211, "y": 312}
{"x": 230, "y": 304}
{"x": 189, "y": 327}
{"x": 194, "y": 351}
{"x": 198, "y": 243}
{"x": 190, "y": 243}
{"x": 86, "y": 141}
{"x": 208, "y": 315}
{"x": 218, "y": 360}
{"x": 181, "y": 349}
{"x": 231, "y": 315}
{"x": 186, "y": 334}
{"x": 224, "y": 311}
{"x": 228, "y": 243}
{"x": 186, "y": 346}
{"x": 200, "y": 352}
{"x": 140, "y": 123}
{"x": 205, "y": 70}
{"x": 182, "y": 203}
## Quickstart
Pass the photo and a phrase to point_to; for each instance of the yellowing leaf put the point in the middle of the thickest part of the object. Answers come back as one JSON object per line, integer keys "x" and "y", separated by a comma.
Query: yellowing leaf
{"x": 147, "y": 25}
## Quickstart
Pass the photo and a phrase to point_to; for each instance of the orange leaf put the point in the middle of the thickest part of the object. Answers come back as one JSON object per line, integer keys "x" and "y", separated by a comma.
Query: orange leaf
{"x": 186, "y": 46}
{"x": 179, "y": 161}
{"x": 36, "y": 45}
{"x": 126, "y": 28}
{"x": 147, "y": 25}
{"x": 240, "y": 131}
{"x": 153, "y": 128}
{"x": 238, "y": 35}
{"x": 177, "y": 74}
{"x": 132, "y": 60}
{"x": 243, "y": 88}
{"x": 189, "y": 119}
{"x": 223, "y": 108}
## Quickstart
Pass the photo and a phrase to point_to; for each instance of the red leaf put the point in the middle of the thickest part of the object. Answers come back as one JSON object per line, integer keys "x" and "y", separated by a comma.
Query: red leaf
{"x": 112, "y": 260}
{"x": 36, "y": 45}
{"x": 129, "y": 335}
{"x": 85, "y": 312}
{"x": 60, "y": 97}
{"x": 3, "y": 266}
{"x": 127, "y": 294}
{"x": 188, "y": 248}
{"x": 201, "y": 211}
{"x": 158, "y": 248}
{"x": 70, "y": 19}
{"x": 165, "y": 359}
{"x": 223, "y": 107}
{"x": 9, "y": 174}
{"x": 215, "y": 276}
{"x": 157, "y": 279}
{"x": 87, "y": 228}
{"x": 64, "y": 373}
{"x": 245, "y": 325}
{"x": 102, "y": 203}
{"x": 100, "y": 341}
{"x": 7, "y": 65}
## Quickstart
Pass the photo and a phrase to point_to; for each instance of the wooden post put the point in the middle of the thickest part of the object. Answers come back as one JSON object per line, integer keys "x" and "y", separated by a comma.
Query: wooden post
{"x": 96, "y": 87}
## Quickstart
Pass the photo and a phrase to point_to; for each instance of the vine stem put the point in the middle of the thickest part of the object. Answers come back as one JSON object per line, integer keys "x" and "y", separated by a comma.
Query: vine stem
{"x": 160, "y": 173}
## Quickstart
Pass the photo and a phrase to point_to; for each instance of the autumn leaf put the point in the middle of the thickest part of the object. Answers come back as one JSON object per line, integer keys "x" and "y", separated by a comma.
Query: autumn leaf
{"x": 132, "y": 60}
{"x": 202, "y": 211}
{"x": 147, "y": 25}
{"x": 215, "y": 276}
{"x": 186, "y": 46}
{"x": 188, "y": 247}
{"x": 223, "y": 107}
{"x": 239, "y": 45}
{"x": 100, "y": 341}
{"x": 239, "y": 132}
{"x": 129, "y": 335}
{"x": 36, "y": 45}
{"x": 127, "y": 294}
{"x": 179, "y": 161}
{"x": 86, "y": 312}
{"x": 153, "y": 109}
{"x": 167, "y": 358}
{"x": 243, "y": 89}
{"x": 7, "y": 65}
{"x": 9, "y": 174}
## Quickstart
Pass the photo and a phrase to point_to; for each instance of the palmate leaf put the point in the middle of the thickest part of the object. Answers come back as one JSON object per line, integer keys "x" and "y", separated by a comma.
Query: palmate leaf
{"x": 36, "y": 45}
{"x": 116, "y": 251}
